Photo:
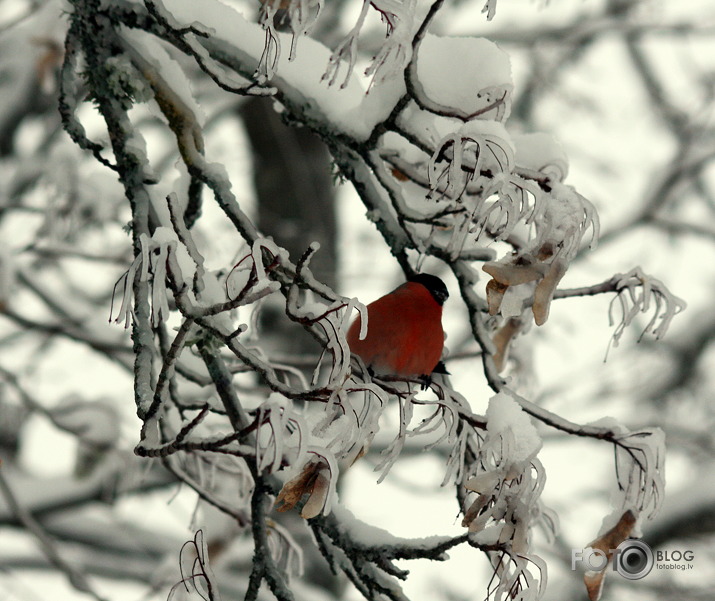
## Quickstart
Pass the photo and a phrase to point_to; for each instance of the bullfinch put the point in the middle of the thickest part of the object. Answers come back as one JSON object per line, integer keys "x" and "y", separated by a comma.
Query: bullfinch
{"x": 404, "y": 329}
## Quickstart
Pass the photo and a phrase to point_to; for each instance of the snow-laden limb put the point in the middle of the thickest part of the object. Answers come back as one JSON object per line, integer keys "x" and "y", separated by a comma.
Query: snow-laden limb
{"x": 186, "y": 38}
{"x": 483, "y": 88}
{"x": 477, "y": 188}
{"x": 170, "y": 89}
{"x": 366, "y": 554}
{"x": 640, "y": 456}
{"x": 299, "y": 82}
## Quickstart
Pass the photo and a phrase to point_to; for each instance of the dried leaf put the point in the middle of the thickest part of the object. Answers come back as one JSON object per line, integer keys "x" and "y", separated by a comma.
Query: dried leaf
{"x": 482, "y": 483}
{"x": 606, "y": 543}
{"x": 502, "y": 340}
{"x": 475, "y": 509}
{"x": 513, "y": 275}
{"x": 318, "y": 495}
{"x": 293, "y": 490}
{"x": 545, "y": 291}
{"x": 616, "y": 535}
{"x": 594, "y": 584}
{"x": 495, "y": 295}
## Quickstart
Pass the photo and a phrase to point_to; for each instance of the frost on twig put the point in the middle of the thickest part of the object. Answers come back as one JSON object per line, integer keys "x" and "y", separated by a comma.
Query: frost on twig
{"x": 394, "y": 53}
{"x": 150, "y": 266}
{"x": 504, "y": 487}
{"x": 533, "y": 273}
{"x": 641, "y": 293}
{"x": 640, "y": 471}
{"x": 300, "y": 16}
{"x": 464, "y": 155}
{"x": 507, "y": 478}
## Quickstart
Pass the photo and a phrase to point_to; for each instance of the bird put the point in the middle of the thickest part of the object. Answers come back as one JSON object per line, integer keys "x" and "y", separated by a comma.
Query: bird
{"x": 404, "y": 330}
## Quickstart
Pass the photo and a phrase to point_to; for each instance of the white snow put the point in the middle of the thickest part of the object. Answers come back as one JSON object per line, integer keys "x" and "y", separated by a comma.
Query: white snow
{"x": 541, "y": 152}
{"x": 167, "y": 68}
{"x": 507, "y": 419}
{"x": 349, "y": 110}
{"x": 365, "y": 534}
{"x": 452, "y": 72}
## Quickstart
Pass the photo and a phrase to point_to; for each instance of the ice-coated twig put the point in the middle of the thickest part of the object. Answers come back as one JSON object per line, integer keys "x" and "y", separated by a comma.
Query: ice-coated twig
{"x": 346, "y": 51}
{"x": 638, "y": 293}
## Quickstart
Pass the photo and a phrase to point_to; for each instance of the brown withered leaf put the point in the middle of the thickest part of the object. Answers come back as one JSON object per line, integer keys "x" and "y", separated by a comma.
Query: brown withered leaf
{"x": 318, "y": 495}
{"x": 495, "y": 294}
{"x": 544, "y": 291}
{"x": 293, "y": 490}
{"x": 607, "y": 542}
{"x": 594, "y": 584}
{"x": 471, "y": 516}
{"x": 502, "y": 339}
{"x": 514, "y": 274}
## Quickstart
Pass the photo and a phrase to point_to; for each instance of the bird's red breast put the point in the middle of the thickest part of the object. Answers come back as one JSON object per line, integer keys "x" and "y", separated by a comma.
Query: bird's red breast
{"x": 404, "y": 335}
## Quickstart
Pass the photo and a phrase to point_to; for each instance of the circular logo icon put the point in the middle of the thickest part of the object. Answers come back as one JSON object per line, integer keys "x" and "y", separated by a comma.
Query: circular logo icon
{"x": 634, "y": 559}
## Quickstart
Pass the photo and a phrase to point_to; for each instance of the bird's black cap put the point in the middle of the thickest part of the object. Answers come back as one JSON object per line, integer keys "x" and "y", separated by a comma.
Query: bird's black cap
{"x": 435, "y": 286}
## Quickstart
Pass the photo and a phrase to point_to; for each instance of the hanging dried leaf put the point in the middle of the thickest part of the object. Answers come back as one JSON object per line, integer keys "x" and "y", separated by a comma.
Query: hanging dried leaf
{"x": 502, "y": 340}
{"x": 495, "y": 295}
{"x": 293, "y": 490}
{"x": 545, "y": 289}
{"x": 606, "y": 543}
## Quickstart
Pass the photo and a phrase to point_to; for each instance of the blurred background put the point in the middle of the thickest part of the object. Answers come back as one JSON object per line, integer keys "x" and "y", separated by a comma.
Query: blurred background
{"x": 626, "y": 86}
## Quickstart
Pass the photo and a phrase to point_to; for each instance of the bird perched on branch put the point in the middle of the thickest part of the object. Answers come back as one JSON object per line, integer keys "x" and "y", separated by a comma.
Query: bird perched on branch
{"x": 404, "y": 329}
